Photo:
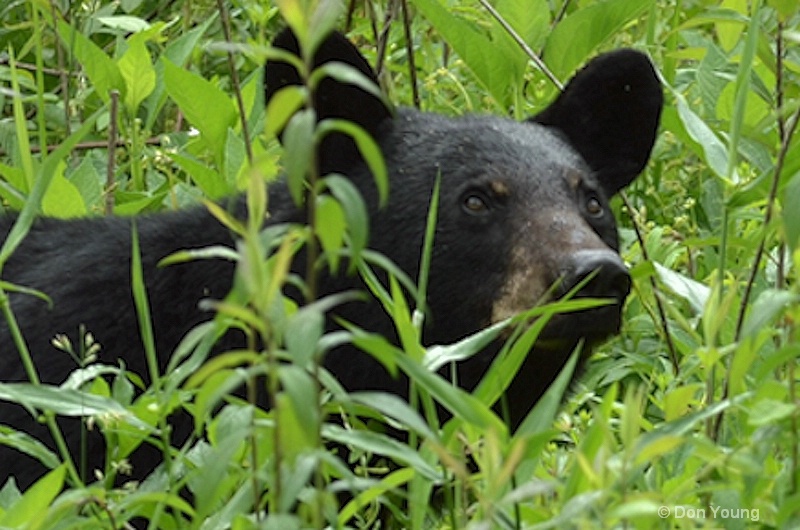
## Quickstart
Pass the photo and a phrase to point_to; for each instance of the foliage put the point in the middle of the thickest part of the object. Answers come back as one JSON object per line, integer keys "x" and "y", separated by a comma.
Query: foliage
{"x": 688, "y": 419}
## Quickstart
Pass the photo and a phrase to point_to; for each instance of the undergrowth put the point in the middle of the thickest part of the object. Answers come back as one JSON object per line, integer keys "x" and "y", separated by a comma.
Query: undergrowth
{"x": 688, "y": 419}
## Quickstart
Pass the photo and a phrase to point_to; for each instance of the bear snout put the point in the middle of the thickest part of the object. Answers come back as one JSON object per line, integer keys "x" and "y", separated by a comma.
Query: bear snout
{"x": 602, "y": 272}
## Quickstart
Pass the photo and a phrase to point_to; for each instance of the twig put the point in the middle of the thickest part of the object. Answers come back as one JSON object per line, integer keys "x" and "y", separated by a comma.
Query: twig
{"x": 112, "y": 153}
{"x": 226, "y": 29}
{"x": 63, "y": 75}
{"x": 382, "y": 37}
{"x": 662, "y": 315}
{"x": 412, "y": 69}
{"x": 522, "y": 44}
{"x": 85, "y": 146}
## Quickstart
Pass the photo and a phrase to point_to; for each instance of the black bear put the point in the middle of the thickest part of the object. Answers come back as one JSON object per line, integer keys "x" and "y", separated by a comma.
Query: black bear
{"x": 523, "y": 207}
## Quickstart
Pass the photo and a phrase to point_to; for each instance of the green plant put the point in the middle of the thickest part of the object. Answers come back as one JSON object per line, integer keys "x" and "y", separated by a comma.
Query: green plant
{"x": 693, "y": 408}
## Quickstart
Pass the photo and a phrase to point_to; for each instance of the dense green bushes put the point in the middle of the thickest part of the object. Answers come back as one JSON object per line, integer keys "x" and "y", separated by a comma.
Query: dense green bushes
{"x": 688, "y": 419}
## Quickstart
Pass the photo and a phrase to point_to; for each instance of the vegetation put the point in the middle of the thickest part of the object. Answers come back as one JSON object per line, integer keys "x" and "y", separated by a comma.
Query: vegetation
{"x": 688, "y": 419}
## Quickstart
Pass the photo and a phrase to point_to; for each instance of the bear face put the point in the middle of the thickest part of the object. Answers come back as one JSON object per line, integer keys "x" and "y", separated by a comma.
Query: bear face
{"x": 523, "y": 212}
{"x": 523, "y": 218}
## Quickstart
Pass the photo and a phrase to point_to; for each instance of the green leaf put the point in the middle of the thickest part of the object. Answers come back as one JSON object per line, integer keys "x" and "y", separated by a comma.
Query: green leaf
{"x": 381, "y": 444}
{"x": 769, "y": 304}
{"x": 28, "y": 445}
{"x": 298, "y": 148}
{"x": 101, "y": 70}
{"x": 497, "y": 70}
{"x": 178, "y": 52}
{"x": 397, "y": 408}
{"x": 331, "y": 227}
{"x": 691, "y": 290}
{"x": 729, "y": 33}
{"x": 578, "y": 35}
{"x": 460, "y": 403}
{"x": 36, "y": 500}
{"x": 63, "y": 401}
{"x": 62, "y": 199}
{"x": 345, "y": 74}
{"x": 791, "y": 213}
{"x": 282, "y": 106}
{"x": 206, "y": 107}
{"x": 785, "y": 8}
{"x": 137, "y": 70}
{"x": 769, "y": 411}
{"x": 297, "y": 384}
{"x": 126, "y": 23}
{"x": 716, "y": 154}
{"x": 367, "y": 146}
{"x": 303, "y": 333}
{"x": 529, "y": 18}
{"x": 355, "y": 214}
{"x": 207, "y": 179}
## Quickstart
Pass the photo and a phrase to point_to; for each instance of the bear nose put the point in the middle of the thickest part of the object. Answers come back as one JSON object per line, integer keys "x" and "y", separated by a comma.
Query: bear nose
{"x": 609, "y": 276}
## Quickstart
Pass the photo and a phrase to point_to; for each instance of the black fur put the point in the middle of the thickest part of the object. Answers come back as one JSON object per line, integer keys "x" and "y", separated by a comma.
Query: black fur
{"x": 523, "y": 206}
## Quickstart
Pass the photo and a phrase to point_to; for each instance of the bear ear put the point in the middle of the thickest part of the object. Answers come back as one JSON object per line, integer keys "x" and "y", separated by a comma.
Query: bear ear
{"x": 610, "y": 112}
{"x": 333, "y": 98}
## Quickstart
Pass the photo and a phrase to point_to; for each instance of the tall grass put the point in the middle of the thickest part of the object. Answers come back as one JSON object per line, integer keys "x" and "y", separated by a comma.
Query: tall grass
{"x": 688, "y": 419}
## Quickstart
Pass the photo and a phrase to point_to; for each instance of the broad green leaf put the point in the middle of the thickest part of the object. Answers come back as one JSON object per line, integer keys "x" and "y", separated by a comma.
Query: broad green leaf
{"x": 100, "y": 68}
{"x": 529, "y": 18}
{"x": 331, "y": 228}
{"x": 395, "y": 407}
{"x": 298, "y": 145}
{"x": 137, "y": 70}
{"x": 496, "y": 70}
{"x": 62, "y": 198}
{"x": 63, "y": 401}
{"x": 126, "y": 23}
{"x": 178, "y": 52}
{"x": 578, "y": 35}
{"x": 367, "y": 146}
{"x": 88, "y": 182}
{"x": 296, "y": 382}
{"x": 729, "y": 33}
{"x": 235, "y": 160}
{"x": 769, "y": 304}
{"x": 206, "y": 107}
{"x": 282, "y": 106}
{"x": 659, "y": 446}
{"x": 29, "y": 445}
{"x": 44, "y": 174}
{"x": 206, "y": 178}
{"x": 785, "y": 8}
{"x": 37, "y": 499}
{"x": 438, "y": 356}
{"x": 769, "y": 411}
{"x": 381, "y": 444}
{"x": 345, "y": 74}
{"x": 716, "y": 154}
{"x": 691, "y": 290}
{"x": 303, "y": 333}
{"x": 355, "y": 214}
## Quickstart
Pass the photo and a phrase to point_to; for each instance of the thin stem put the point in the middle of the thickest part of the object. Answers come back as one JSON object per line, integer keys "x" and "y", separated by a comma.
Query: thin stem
{"x": 112, "y": 153}
{"x": 522, "y": 44}
{"x": 662, "y": 315}
{"x": 226, "y": 28}
{"x": 412, "y": 69}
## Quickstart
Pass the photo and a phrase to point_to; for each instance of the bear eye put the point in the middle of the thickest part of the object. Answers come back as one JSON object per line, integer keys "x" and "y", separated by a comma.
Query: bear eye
{"x": 594, "y": 207}
{"x": 475, "y": 204}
